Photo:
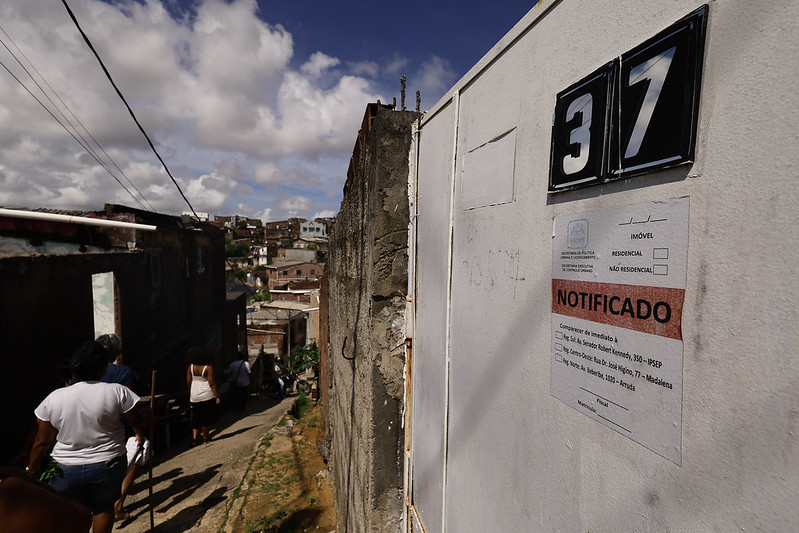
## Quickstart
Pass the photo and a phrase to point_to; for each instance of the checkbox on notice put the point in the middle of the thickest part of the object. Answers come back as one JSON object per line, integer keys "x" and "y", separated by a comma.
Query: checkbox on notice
{"x": 558, "y": 358}
{"x": 660, "y": 253}
{"x": 558, "y": 334}
{"x": 558, "y": 347}
{"x": 660, "y": 270}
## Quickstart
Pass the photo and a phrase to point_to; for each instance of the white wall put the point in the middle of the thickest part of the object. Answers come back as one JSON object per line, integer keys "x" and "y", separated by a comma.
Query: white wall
{"x": 491, "y": 448}
{"x": 312, "y": 229}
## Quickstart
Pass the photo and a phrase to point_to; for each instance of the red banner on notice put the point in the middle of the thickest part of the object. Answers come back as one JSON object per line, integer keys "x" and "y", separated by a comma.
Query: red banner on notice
{"x": 653, "y": 310}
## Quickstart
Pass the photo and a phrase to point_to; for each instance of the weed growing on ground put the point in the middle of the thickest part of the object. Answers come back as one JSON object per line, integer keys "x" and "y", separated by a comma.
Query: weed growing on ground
{"x": 267, "y": 524}
{"x": 303, "y": 405}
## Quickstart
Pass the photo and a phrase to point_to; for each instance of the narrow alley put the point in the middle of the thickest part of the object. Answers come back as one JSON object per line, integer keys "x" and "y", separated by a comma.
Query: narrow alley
{"x": 192, "y": 486}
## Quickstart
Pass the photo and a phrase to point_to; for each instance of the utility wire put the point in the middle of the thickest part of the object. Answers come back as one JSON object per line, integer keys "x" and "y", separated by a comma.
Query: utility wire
{"x": 67, "y": 130}
{"x": 83, "y": 142}
{"x": 108, "y": 75}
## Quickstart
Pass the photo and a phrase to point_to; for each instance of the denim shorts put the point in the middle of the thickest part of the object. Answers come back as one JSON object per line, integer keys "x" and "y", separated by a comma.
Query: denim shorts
{"x": 96, "y": 486}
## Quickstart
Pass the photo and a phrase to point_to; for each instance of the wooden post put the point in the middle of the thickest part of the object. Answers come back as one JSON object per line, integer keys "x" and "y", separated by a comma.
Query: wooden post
{"x": 153, "y": 429}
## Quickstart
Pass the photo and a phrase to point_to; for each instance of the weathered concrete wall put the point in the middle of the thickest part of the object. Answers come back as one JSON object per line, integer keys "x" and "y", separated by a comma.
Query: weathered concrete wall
{"x": 367, "y": 276}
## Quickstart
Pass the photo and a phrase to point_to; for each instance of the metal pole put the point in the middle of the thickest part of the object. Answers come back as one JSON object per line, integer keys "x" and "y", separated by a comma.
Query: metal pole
{"x": 70, "y": 219}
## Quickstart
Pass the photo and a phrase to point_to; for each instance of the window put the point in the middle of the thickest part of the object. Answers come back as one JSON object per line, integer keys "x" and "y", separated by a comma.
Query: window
{"x": 299, "y": 272}
{"x": 105, "y": 303}
{"x": 313, "y": 271}
{"x": 202, "y": 259}
{"x": 285, "y": 272}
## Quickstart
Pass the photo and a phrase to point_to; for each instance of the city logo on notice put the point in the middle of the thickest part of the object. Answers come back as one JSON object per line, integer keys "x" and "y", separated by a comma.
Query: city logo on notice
{"x": 577, "y": 235}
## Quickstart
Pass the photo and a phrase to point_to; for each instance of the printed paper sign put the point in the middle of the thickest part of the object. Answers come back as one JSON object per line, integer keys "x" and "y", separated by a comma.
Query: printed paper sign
{"x": 618, "y": 285}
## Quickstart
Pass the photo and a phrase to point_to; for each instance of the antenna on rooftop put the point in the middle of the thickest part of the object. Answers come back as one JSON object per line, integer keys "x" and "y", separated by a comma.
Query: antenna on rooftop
{"x": 402, "y": 91}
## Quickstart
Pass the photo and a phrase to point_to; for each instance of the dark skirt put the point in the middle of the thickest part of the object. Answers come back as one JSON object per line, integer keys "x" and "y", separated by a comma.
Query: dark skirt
{"x": 204, "y": 413}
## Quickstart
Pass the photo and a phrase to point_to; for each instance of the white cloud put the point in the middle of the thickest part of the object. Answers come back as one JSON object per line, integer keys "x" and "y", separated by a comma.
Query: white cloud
{"x": 396, "y": 66}
{"x": 295, "y": 205}
{"x": 234, "y": 52}
{"x": 231, "y": 167}
{"x": 435, "y": 76}
{"x": 266, "y": 173}
{"x": 248, "y": 210}
{"x": 210, "y": 191}
{"x": 318, "y": 64}
{"x": 265, "y": 215}
{"x": 364, "y": 68}
{"x": 324, "y": 214}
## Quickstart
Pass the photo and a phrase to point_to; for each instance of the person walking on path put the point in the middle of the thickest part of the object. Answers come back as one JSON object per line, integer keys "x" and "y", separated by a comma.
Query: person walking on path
{"x": 239, "y": 372}
{"x": 203, "y": 394}
{"x": 85, "y": 422}
{"x": 119, "y": 373}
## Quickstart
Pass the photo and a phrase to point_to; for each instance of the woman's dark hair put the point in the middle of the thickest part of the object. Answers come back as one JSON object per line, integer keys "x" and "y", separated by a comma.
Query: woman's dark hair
{"x": 111, "y": 342}
{"x": 201, "y": 355}
{"x": 88, "y": 361}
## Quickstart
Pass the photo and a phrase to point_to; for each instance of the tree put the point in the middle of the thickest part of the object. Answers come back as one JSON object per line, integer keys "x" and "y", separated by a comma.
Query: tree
{"x": 241, "y": 249}
{"x": 261, "y": 296}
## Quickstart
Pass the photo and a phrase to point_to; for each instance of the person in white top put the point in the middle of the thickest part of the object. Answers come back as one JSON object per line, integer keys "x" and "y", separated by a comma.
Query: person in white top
{"x": 203, "y": 395}
{"x": 85, "y": 422}
{"x": 239, "y": 373}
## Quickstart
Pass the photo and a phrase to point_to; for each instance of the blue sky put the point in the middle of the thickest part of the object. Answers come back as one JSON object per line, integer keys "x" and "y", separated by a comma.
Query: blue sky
{"x": 254, "y": 105}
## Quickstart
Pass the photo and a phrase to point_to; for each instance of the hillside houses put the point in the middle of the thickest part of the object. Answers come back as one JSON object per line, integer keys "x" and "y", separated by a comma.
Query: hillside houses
{"x": 278, "y": 266}
{"x": 283, "y": 272}
{"x": 287, "y": 250}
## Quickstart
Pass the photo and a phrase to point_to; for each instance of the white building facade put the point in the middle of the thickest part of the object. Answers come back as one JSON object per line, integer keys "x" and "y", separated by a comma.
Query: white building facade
{"x": 626, "y": 363}
{"x": 311, "y": 229}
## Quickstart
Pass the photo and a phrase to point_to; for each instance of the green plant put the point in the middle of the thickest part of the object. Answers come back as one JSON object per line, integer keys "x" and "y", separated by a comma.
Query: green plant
{"x": 268, "y": 523}
{"x": 303, "y": 405}
{"x": 306, "y": 357}
{"x": 237, "y": 250}
{"x": 51, "y": 470}
{"x": 261, "y": 296}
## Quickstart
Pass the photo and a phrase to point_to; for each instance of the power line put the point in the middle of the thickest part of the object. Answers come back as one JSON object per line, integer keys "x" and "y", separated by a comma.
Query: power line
{"x": 83, "y": 142}
{"x": 67, "y": 129}
{"x": 108, "y": 75}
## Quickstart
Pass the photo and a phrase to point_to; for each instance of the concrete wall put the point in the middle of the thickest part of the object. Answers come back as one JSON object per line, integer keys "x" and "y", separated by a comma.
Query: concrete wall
{"x": 491, "y": 448}
{"x": 367, "y": 280}
{"x": 300, "y": 254}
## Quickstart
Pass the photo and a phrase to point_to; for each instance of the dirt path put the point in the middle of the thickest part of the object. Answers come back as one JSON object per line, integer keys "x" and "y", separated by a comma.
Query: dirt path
{"x": 193, "y": 487}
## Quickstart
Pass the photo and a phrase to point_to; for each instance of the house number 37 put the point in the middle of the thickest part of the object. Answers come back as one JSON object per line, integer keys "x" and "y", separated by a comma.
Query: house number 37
{"x": 635, "y": 114}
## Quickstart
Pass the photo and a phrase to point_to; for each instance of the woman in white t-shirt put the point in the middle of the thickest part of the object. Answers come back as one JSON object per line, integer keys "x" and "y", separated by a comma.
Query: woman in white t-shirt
{"x": 85, "y": 422}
